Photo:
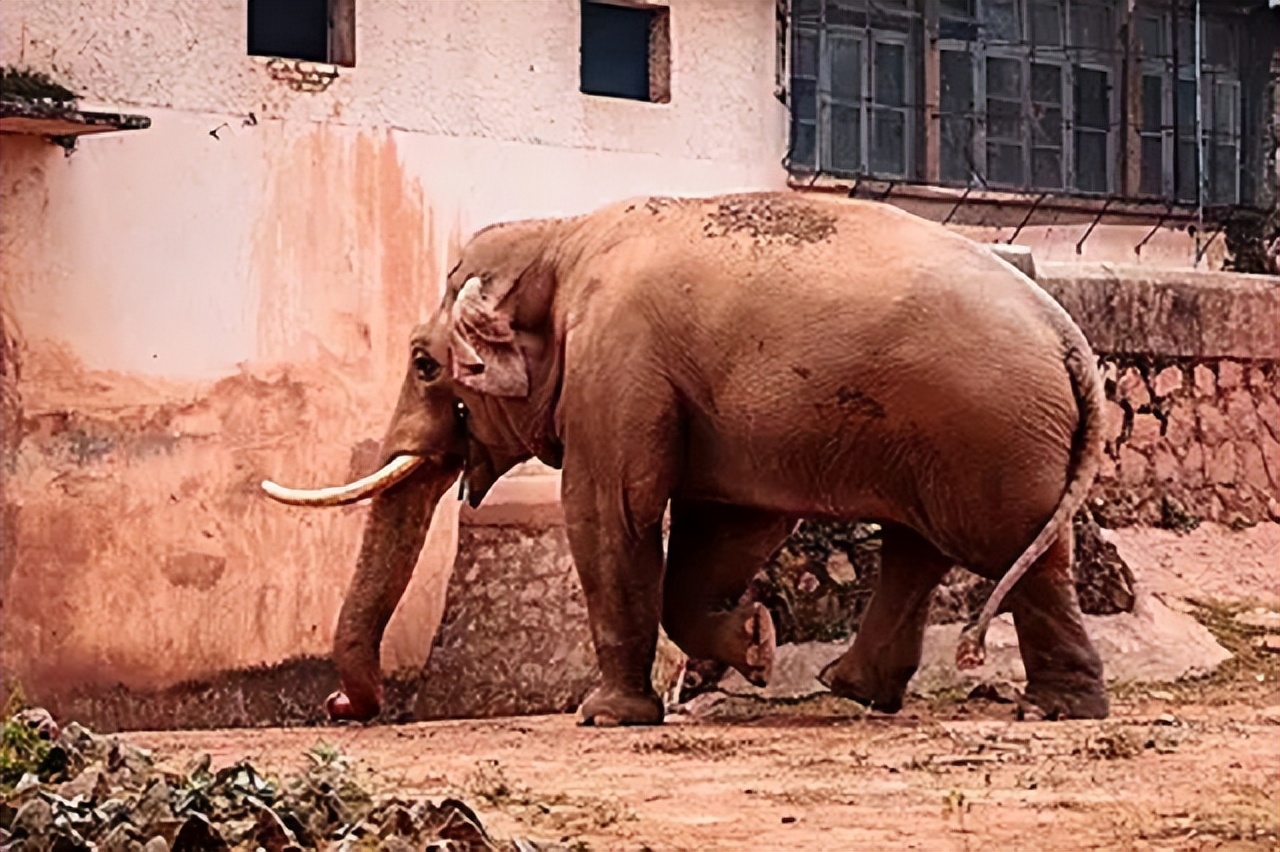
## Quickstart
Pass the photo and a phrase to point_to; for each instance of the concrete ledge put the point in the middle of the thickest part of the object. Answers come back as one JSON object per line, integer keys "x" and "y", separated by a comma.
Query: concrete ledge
{"x": 1019, "y": 257}
{"x": 518, "y": 501}
{"x": 1134, "y": 310}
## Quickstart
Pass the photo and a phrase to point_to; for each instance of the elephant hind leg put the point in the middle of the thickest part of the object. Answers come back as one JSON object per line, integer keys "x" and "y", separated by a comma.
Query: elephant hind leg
{"x": 886, "y": 651}
{"x": 1064, "y": 671}
{"x": 713, "y": 552}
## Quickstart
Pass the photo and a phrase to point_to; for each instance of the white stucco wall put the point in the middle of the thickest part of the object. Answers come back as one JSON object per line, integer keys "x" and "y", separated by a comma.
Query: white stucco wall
{"x": 195, "y": 313}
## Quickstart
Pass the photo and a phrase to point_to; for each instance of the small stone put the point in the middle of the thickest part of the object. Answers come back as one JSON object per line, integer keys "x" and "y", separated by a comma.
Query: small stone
{"x": 1205, "y": 382}
{"x": 33, "y": 819}
{"x": 39, "y": 720}
{"x": 1167, "y": 381}
{"x": 90, "y": 783}
{"x": 1269, "y": 644}
{"x": 1271, "y": 715}
{"x": 198, "y": 835}
{"x": 840, "y": 569}
{"x": 120, "y": 839}
{"x": 1166, "y": 719}
{"x": 1230, "y": 374}
{"x": 1160, "y": 695}
{"x": 271, "y": 834}
{"x": 154, "y": 805}
{"x": 998, "y": 691}
{"x": 395, "y": 843}
{"x": 1260, "y": 617}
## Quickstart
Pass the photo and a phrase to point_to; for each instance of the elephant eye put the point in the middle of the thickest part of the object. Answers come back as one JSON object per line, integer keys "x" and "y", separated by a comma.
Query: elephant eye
{"x": 428, "y": 368}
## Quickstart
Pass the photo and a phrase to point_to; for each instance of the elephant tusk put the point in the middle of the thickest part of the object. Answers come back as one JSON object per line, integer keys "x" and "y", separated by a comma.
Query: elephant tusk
{"x": 392, "y": 472}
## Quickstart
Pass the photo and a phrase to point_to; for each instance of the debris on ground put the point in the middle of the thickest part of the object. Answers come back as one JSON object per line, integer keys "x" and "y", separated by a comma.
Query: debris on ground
{"x": 68, "y": 789}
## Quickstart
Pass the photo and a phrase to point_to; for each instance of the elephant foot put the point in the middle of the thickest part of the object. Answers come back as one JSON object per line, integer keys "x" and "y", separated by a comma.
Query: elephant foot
{"x": 341, "y": 708}
{"x": 757, "y": 665}
{"x": 839, "y": 677}
{"x": 1052, "y": 702}
{"x": 609, "y": 708}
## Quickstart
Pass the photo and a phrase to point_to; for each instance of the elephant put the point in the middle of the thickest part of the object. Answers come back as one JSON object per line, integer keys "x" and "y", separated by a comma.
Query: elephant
{"x": 746, "y": 362}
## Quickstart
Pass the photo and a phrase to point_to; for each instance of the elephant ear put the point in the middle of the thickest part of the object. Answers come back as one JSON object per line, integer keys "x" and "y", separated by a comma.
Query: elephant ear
{"x": 483, "y": 344}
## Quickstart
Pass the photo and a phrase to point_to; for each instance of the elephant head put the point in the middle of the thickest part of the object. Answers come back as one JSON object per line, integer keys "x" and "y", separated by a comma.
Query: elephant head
{"x": 477, "y": 399}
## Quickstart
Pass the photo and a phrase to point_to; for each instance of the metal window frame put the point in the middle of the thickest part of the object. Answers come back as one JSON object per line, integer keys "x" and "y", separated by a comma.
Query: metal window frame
{"x": 866, "y": 38}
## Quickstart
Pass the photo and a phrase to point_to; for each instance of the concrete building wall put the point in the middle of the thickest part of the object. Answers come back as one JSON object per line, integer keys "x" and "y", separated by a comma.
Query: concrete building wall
{"x": 226, "y": 296}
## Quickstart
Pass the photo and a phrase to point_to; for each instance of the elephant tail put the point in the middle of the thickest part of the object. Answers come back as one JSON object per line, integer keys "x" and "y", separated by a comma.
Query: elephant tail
{"x": 1086, "y": 457}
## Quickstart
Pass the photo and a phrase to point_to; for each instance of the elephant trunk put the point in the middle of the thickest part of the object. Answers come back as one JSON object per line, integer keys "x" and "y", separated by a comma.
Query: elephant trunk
{"x": 397, "y": 527}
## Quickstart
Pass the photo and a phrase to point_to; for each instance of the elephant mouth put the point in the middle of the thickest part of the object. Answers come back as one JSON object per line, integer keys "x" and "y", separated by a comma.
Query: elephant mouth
{"x": 394, "y": 471}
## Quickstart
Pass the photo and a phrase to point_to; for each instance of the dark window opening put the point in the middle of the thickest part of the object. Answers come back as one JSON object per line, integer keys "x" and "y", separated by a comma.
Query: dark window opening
{"x": 1079, "y": 97}
{"x": 626, "y": 51}
{"x": 308, "y": 30}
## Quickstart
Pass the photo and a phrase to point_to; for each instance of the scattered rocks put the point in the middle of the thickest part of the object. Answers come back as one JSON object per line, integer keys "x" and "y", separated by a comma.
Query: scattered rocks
{"x": 1261, "y": 618}
{"x": 999, "y": 691}
{"x": 1270, "y": 644}
{"x": 1153, "y": 644}
{"x": 80, "y": 791}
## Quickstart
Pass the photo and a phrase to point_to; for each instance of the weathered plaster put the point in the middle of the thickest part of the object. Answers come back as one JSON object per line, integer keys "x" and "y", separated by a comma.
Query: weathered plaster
{"x": 227, "y": 296}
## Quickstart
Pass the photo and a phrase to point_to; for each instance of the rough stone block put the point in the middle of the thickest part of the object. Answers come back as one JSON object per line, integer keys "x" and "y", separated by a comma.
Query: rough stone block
{"x": 1145, "y": 433}
{"x": 1164, "y": 464}
{"x": 1193, "y": 466}
{"x": 1213, "y": 424}
{"x": 1242, "y": 414}
{"x": 1132, "y": 388}
{"x": 1206, "y": 383}
{"x": 1220, "y": 466}
{"x": 1132, "y": 466}
{"x": 1168, "y": 381}
{"x": 1230, "y": 375}
{"x": 1253, "y": 469}
{"x": 1180, "y": 428}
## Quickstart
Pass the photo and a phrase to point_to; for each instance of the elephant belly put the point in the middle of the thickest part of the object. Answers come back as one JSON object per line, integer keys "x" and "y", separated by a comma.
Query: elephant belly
{"x": 974, "y": 473}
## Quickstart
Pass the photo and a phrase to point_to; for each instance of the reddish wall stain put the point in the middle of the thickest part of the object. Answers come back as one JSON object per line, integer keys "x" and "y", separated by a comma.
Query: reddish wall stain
{"x": 138, "y": 550}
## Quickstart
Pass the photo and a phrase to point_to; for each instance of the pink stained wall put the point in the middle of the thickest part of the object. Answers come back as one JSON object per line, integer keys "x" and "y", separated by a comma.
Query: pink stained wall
{"x": 192, "y": 312}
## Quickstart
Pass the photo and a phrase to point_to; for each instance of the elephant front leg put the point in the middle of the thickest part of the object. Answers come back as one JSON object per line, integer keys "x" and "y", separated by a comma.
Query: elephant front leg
{"x": 886, "y": 651}
{"x": 714, "y": 551}
{"x": 615, "y": 535}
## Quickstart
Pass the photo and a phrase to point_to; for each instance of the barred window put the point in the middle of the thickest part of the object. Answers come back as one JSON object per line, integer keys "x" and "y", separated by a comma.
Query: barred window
{"x": 1076, "y": 97}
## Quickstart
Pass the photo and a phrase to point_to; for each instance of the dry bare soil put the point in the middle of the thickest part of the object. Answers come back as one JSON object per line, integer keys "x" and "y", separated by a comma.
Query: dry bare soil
{"x": 1180, "y": 767}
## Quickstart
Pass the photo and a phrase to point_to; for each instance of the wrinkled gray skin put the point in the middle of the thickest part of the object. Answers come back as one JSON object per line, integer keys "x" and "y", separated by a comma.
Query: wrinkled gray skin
{"x": 752, "y": 360}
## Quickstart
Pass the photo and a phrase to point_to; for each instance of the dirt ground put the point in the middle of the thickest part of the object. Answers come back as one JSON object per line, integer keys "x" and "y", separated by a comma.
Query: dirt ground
{"x": 1177, "y": 767}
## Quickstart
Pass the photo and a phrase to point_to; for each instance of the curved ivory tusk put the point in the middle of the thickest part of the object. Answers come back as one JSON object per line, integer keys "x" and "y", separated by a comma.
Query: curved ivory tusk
{"x": 392, "y": 472}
